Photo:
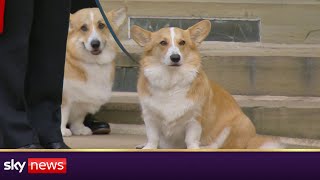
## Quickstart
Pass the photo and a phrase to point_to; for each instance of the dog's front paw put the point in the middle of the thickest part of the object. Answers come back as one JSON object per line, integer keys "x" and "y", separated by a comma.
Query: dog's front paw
{"x": 193, "y": 146}
{"x": 150, "y": 146}
{"x": 66, "y": 132}
{"x": 81, "y": 130}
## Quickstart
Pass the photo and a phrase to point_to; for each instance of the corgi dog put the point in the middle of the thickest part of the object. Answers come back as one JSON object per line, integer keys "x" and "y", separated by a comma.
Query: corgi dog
{"x": 181, "y": 107}
{"x": 89, "y": 67}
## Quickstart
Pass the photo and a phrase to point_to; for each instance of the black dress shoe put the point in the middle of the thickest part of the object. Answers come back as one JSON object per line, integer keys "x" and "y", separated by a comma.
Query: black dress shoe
{"x": 56, "y": 145}
{"x": 32, "y": 146}
{"x": 96, "y": 126}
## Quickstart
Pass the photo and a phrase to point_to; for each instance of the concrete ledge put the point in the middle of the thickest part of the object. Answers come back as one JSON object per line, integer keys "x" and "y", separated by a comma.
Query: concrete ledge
{"x": 254, "y": 74}
{"x": 124, "y": 97}
{"x": 212, "y": 48}
{"x": 244, "y": 101}
{"x": 278, "y": 101}
{"x": 283, "y": 21}
{"x": 296, "y": 117}
{"x": 132, "y": 129}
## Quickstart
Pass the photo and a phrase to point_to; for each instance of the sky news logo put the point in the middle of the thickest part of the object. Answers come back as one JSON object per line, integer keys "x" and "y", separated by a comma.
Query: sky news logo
{"x": 37, "y": 165}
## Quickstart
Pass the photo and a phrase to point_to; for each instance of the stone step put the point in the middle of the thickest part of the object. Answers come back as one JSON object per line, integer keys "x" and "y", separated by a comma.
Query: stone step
{"x": 296, "y": 117}
{"x": 238, "y": 49}
{"x": 246, "y": 68}
{"x": 297, "y": 25}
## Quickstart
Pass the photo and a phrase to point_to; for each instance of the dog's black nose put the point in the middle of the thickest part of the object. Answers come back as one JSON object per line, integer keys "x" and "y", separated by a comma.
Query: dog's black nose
{"x": 175, "y": 58}
{"x": 95, "y": 44}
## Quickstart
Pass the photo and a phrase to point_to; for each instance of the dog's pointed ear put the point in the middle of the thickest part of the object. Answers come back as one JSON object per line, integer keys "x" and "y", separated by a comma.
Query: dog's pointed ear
{"x": 118, "y": 16}
{"x": 200, "y": 31}
{"x": 140, "y": 36}
{"x": 70, "y": 23}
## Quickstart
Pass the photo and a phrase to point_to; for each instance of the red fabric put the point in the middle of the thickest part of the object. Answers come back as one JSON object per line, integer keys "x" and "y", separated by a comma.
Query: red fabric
{"x": 2, "y": 4}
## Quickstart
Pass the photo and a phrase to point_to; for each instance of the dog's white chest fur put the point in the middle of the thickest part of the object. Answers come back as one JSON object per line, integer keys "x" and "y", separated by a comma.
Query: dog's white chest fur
{"x": 96, "y": 90}
{"x": 99, "y": 81}
{"x": 170, "y": 105}
{"x": 168, "y": 108}
{"x": 169, "y": 90}
{"x": 170, "y": 111}
{"x": 83, "y": 97}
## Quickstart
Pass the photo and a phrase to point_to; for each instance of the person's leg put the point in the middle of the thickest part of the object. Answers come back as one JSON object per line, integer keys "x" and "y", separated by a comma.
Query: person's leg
{"x": 80, "y": 4}
{"x": 2, "y": 146}
{"x": 16, "y": 130}
{"x": 45, "y": 71}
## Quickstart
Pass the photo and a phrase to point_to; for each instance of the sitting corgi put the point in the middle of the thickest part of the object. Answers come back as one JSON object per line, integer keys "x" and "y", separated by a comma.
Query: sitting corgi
{"x": 181, "y": 107}
{"x": 89, "y": 68}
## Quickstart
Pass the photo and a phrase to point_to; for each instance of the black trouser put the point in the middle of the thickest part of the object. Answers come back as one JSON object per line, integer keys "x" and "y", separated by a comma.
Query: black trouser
{"x": 32, "y": 56}
{"x": 80, "y": 4}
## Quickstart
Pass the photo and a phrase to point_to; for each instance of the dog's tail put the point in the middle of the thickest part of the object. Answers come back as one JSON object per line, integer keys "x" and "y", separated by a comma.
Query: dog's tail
{"x": 262, "y": 142}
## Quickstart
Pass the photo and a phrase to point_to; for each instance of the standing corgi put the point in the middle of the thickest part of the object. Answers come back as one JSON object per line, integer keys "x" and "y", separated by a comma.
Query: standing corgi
{"x": 89, "y": 68}
{"x": 181, "y": 107}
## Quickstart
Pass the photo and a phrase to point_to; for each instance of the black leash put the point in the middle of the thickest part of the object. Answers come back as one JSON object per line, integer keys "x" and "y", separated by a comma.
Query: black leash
{"x": 113, "y": 33}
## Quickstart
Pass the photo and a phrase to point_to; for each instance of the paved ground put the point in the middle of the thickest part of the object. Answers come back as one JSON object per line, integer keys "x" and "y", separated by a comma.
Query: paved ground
{"x": 129, "y": 141}
{"x": 112, "y": 141}
{"x": 127, "y": 136}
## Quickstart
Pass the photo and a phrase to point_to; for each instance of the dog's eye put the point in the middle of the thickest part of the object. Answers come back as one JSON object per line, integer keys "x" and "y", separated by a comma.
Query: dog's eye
{"x": 163, "y": 43}
{"x": 84, "y": 28}
{"x": 101, "y": 25}
{"x": 182, "y": 43}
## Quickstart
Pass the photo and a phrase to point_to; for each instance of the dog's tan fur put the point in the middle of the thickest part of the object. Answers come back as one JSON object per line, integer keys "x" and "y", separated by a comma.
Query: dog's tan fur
{"x": 89, "y": 72}
{"x": 213, "y": 108}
